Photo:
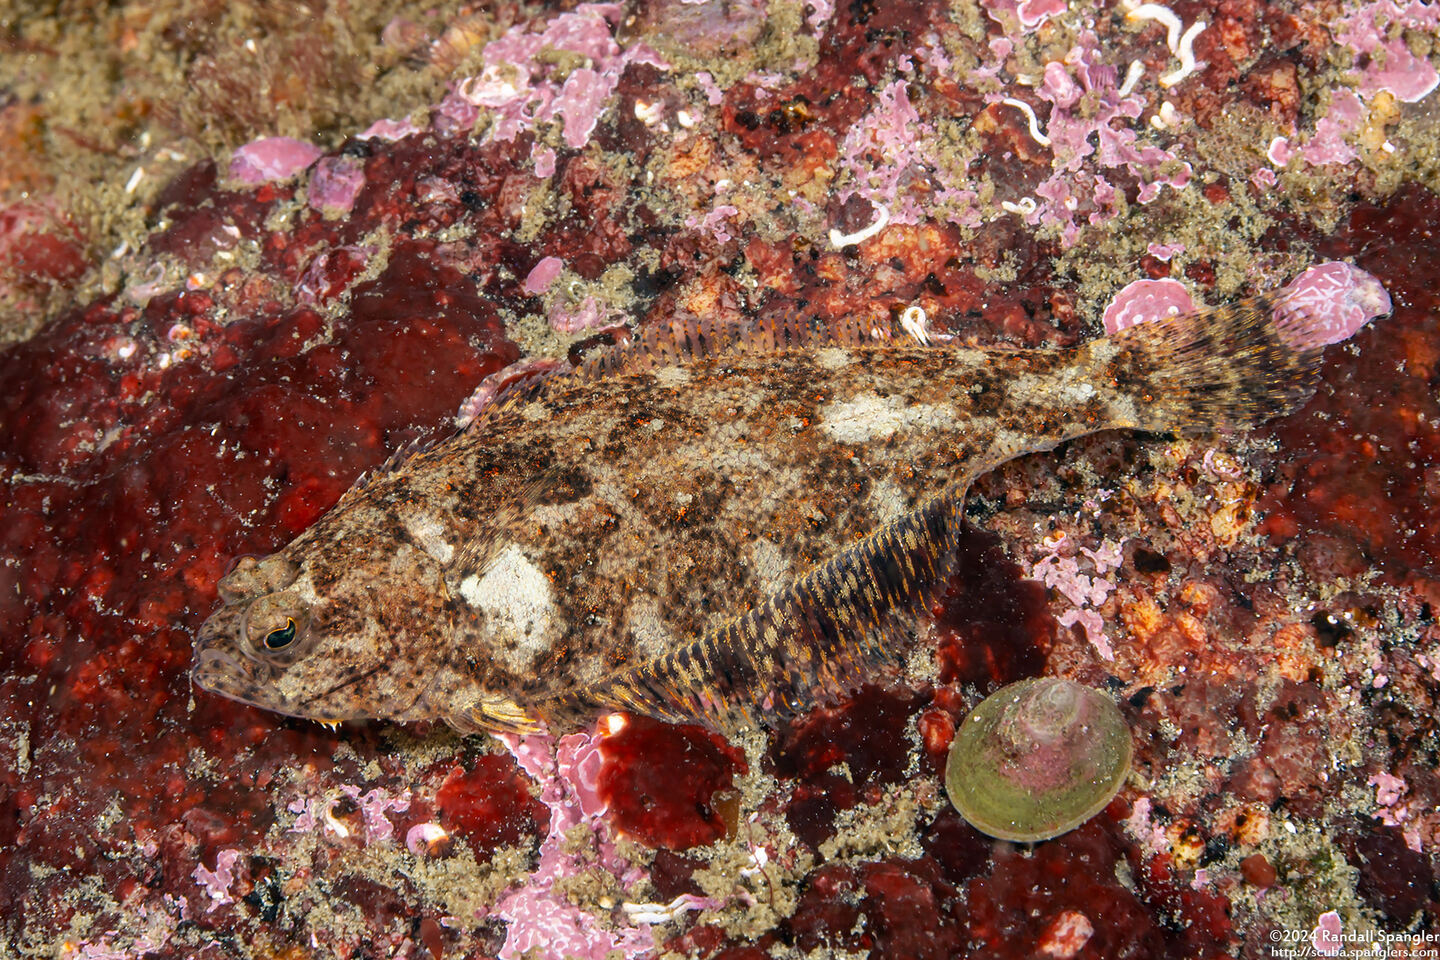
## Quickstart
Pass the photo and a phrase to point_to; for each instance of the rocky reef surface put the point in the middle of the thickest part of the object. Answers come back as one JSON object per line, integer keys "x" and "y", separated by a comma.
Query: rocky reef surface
{"x": 212, "y": 356}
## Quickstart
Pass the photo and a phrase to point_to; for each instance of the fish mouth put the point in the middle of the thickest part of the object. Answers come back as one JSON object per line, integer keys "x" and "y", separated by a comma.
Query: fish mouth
{"x": 217, "y": 668}
{"x": 220, "y": 668}
{"x": 217, "y": 672}
{"x": 233, "y": 678}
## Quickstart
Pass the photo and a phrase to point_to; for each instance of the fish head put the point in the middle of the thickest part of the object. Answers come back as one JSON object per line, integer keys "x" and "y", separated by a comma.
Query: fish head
{"x": 303, "y": 635}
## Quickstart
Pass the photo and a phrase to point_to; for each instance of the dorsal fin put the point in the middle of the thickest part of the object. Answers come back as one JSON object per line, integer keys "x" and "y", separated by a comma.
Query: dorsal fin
{"x": 397, "y": 457}
{"x": 682, "y": 340}
{"x": 507, "y": 386}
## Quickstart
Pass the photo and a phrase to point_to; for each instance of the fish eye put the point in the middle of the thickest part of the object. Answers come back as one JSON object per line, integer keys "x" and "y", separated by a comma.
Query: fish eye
{"x": 276, "y": 627}
{"x": 282, "y": 638}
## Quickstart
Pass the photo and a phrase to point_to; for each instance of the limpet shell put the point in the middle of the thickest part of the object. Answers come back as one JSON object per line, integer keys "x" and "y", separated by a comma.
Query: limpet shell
{"x": 1037, "y": 758}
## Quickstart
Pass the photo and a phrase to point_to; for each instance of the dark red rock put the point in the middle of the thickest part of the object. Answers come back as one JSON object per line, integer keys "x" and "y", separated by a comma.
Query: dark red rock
{"x": 1258, "y": 871}
{"x": 488, "y": 802}
{"x": 814, "y": 803}
{"x": 133, "y": 422}
{"x": 1273, "y": 83}
{"x": 894, "y": 908}
{"x": 1395, "y": 880}
{"x": 672, "y": 875}
{"x": 1368, "y": 445}
{"x": 827, "y": 911}
{"x": 1010, "y": 908}
{"x": 39, "y": 249}
{"x": 330, "y": 273}
{"x": 1293, "y": 743}
{"x": 667, "y": 786}
{"x": 1154, "y": 267}
{"x": 996, "y": 626}
{"x": 703, "y": 940}
{"x": 961, "y": 851}
{"x": 1202, "y": 272}
{"x": 866, "y": 733}
{"x": 909, "y": 910}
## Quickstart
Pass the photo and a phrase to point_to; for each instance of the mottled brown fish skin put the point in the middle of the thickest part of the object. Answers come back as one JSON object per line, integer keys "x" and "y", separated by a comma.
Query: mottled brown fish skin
{"x": 699, "y": 538}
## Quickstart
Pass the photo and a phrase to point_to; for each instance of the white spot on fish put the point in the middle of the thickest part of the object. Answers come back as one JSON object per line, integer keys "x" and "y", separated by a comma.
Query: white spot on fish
{"x": 870, "y": 417}
{"x": 769, "y": 563}
{"x": 672, "y": 376}
{"x": 429, "y": 535}
{"x": 518, "y": 603}
{"x": 652, "y": 637}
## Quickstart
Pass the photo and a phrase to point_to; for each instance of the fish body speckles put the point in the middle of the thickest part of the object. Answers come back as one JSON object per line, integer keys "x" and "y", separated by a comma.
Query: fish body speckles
{"x": 695, "y": 528}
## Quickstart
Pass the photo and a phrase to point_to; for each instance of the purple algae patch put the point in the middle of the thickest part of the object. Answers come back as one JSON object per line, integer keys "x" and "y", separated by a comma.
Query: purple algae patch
{"x": 1373, "y": 31}
{"x": 543, "y": 274}
{"x": 1142, "y": 301}
{"x": 272, "y": 158}
{"x": 335, "y": 183}
{"x": 1338, "y": 299}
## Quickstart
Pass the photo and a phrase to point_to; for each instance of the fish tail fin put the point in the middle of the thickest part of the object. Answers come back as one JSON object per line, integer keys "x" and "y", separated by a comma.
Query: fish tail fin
{"x": 817, "y": 638}
{"x": 1224, "y": 367}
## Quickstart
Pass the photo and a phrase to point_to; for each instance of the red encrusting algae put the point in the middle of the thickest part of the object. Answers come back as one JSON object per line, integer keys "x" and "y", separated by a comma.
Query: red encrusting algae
{"x": 224, "y": 399}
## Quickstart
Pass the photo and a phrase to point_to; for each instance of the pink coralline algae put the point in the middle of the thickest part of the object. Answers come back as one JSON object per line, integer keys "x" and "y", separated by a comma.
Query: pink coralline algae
{"x": 1142, "y": 301}
{"x": 493, "y": 384}
{"x": 885, "y": 152}
{"x": 1394, "y": 809}
{"x": 374, "y": 807}
{"x": 1385, "y": 64}
{"x": 705, "y": 28}
{"x": 713, "y": 222}
{"x": 1060, "y": 569}
{"x": 1346, "y": 296}
{"x": 217, "y": 882}
{"x": 272, "y": 158}
{"x": 1327, "y": 144}
{"x": 318, "y": 814}
{"x": 159, "y": 928}
{"x": 1086, "y": 143}
{"x": 1373, "y": 31}
{"x": 335, "y": 183}
{"x": 541, "y": 921}
{"x": 544, "y": 158}
{"x": 1279, "y": 151}
{"x": 543, "y": 274}
{"x": 515, "y": 82}
{"x": 1029, "y": 14}
{"x": 1327, "y": 937}
{"x": 573, "y": 318}
{"x": 388, "y": 130}
{"x": 1388, "y": 789}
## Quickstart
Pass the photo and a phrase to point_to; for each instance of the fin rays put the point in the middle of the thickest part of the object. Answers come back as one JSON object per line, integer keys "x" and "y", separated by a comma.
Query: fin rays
{"x": 823, "y": 635}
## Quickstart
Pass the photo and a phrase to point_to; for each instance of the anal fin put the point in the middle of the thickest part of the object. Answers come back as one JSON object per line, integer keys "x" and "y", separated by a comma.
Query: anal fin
{"x": 838, "y": 625}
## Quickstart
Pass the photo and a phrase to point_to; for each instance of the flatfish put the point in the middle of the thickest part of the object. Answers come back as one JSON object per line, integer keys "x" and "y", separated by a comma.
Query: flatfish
{"x": 703, "y": 525}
